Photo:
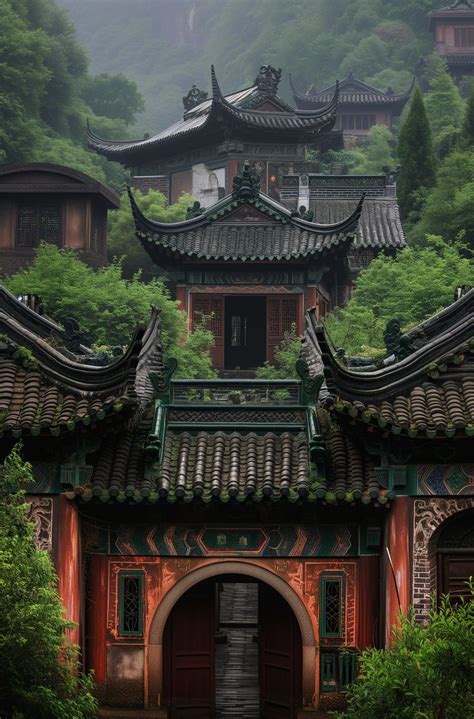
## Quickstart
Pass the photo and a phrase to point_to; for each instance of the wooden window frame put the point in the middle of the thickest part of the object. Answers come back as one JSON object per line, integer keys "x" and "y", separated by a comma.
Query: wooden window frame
{"x": 122, "y": 576}
{"x": 461, "y": 33}
{"x": 37, "y": 205}
{"x": 324, "y": 580}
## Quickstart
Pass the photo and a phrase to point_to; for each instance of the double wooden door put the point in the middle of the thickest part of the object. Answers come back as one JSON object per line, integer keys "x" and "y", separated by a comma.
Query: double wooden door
{"x": 189, "y": 656}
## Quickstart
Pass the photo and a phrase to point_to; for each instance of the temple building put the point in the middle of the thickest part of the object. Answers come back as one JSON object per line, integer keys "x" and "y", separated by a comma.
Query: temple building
{"x": 249, "y": 268}
{"x": 210, "y": 534}
{"x": 40, "y": 202}
{"x": 453, "y": 29}
{"x": 360, "y": 106}
{"x": 203, "y": 151}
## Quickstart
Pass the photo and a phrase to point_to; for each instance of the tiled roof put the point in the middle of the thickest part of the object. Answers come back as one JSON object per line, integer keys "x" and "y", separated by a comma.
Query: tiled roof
{"x": 351, "y": 91}
{"x": 42, "y": 390}
{"x": 429, "y": 393}
{"x": 272, "y": 234}
{"x": 209, "y": 118}
{"x": 379, "y": 226}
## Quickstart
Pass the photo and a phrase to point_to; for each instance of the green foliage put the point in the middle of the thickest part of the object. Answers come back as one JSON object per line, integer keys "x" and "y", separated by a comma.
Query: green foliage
{"x": 377, "y": 153}
{"x": 121, "y": 232}
{"x": 445, "y": 107}
{"x": 448, "y": 207}
{"x": 108, "y": 307}
{"x": 415, "y": 153}
{"x": 286, "y": 355}
{"x": 113, "y": 96}
{"x": 39, "y": 669}
{"x": 427, "y": 672}
{"x": 467, "y": 135}
{"x": 410, "y": 287}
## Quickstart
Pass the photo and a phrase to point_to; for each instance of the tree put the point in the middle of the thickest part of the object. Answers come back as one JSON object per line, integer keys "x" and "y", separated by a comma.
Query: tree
{"x": 467, "y": 134}
{"x": 121, "y": 232}
{"x": 410, "y": 287}
{"x": 108, "y": 307}
{"x": 448, "y": 206}
{"x": 426, "y": 672}
{"x": 113, "y": 96}
{"x": 286, "y": 355}
{"x": 415, "y": 152}
{"x": 377, "y": 153}
{"x": 39, "y": 669}
{"x": 444, "y": 107}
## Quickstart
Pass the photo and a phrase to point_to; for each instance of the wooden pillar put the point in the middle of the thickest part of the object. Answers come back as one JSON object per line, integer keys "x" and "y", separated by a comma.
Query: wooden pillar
{"x": 67, "y": 559}
{"x": 368, "y": 634}
{"x": 97, "y": 592}
{"x": 397, "y": 563}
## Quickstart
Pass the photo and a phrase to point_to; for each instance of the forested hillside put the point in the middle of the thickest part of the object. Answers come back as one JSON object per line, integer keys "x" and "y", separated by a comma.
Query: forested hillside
{"x": 167, "y": 45}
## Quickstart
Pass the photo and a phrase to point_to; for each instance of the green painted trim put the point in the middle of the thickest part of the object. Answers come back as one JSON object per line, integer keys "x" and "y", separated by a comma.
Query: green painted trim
{"x": 123, "y": 575}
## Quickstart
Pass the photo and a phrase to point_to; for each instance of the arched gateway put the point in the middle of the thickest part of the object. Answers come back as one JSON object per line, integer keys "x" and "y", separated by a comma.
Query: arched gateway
{"x": 159, "y": 693}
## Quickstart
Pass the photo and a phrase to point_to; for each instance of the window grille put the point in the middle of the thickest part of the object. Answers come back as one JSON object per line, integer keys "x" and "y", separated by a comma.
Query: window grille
{"x": 131, "y": 603}
{"x": 338, "y": 669}
{"x": 464, "y": 37}
{"x": 38, "y": 222}
{"x": 331, "y": 601}
{"x": 356, "y": 122}
{"x": 207, "y": 312}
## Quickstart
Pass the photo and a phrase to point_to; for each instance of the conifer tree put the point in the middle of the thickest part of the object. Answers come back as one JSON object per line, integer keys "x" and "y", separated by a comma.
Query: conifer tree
{"x": 415, "y": 150}
{"x": 467, "y": 138}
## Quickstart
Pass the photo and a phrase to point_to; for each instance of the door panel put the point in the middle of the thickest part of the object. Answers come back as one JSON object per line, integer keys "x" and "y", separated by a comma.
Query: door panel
{"x": 244, "y": 332}
{"x": 189, "y": 671}
{"x": 208, "y": 311}
{"x": 282, "y": 316}
{"x": 280, "y": 656}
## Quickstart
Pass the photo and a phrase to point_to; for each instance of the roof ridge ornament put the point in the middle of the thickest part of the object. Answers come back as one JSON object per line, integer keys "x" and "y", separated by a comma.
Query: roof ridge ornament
{"x": 457, "y": 3}
{"x": 246, "y": 184}
{"x": 268, "y": 79}
{"x": 194, "y": 98}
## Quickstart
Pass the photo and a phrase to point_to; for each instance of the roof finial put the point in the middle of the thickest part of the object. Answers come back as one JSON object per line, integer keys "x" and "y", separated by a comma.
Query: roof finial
{"x": 268, "y": 79}
{"x": 247, "y": 183}
{"x": 194, "y": 98}
{"x": 216, "y": 91}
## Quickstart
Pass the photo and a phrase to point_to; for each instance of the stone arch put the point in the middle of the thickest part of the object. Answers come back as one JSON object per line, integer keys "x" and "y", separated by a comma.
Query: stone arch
{"x": 215, "y": 569}
{"x": 429, "y": 518}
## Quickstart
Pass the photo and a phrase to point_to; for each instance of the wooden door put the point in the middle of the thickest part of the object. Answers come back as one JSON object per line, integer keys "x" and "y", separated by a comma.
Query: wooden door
{"x": 454, "y": 571}
{"x": 208, "y": 312}
{"x": 189, "y": 664}
{"x": 244, "y": 332}
{"x": 280, "y": 654}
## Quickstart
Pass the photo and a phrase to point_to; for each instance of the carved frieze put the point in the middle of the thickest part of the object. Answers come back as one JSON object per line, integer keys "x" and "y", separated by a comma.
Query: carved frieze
{"x": 41, "y": 514}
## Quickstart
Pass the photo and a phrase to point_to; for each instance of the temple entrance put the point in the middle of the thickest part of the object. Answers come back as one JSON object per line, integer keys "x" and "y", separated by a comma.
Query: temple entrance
{"x": 232, "y": 648}
{"x": 455, "y": 552}
{"x": 245, "y": 338}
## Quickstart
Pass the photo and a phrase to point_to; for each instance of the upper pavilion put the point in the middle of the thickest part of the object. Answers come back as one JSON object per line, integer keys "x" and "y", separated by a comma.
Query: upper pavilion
{"x": 453, "y": 28}
{"x": 203, "y": 151}
{"x": 360, "y": 106}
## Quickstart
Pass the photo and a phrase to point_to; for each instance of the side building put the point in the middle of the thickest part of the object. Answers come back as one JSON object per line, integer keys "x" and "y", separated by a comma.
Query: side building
{"x": 203, "y": 151}
{"x": 41, "y": 202}
{"x": 360, "y": 106}
{"x": 213, "y": 534}
{"x": 453, "y": 30}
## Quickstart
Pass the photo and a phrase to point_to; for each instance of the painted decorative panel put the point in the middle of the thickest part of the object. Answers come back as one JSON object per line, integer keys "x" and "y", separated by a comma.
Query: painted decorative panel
{"x": 216, "y": 541}
{"x": 439, "y": 479}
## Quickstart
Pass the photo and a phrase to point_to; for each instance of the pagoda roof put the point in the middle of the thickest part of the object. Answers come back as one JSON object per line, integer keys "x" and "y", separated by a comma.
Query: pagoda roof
{"x": 212, "y": 119}
{"x": 352, "y": 91}
{"x": 244, "y": 227}
{"x": 459, "y": 10}
{"x": 42, "y": 390}
{"x": 429, "y": 393}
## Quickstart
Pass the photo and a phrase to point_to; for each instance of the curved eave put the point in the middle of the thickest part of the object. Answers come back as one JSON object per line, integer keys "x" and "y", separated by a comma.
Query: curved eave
{"x": 74, "y": 375}
{"x": 298, "y": 122}
{"x": 387, "y": 382}
{"x": 264, "y": 203}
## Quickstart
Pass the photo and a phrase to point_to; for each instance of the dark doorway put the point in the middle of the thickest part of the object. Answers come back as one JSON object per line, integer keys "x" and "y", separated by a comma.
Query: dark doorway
{"x": 232, "y": 648}
{"x": 245, "y": 332}
{"x": 456, "y": 556}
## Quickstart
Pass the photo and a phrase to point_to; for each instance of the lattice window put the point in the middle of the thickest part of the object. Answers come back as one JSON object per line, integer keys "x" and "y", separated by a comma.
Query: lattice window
{"x": 331, "y": 606}
{"x": 338, "y": 669}
{"x": 464, "y": 37}
{"x": 207, "y": 311}
{"x": 38, "y": 222}
{"x": 289, "y": 311}
{"x": 356, "y": 122}
{"x": 282, "y": 315}
{"x": 131, "y": 603}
